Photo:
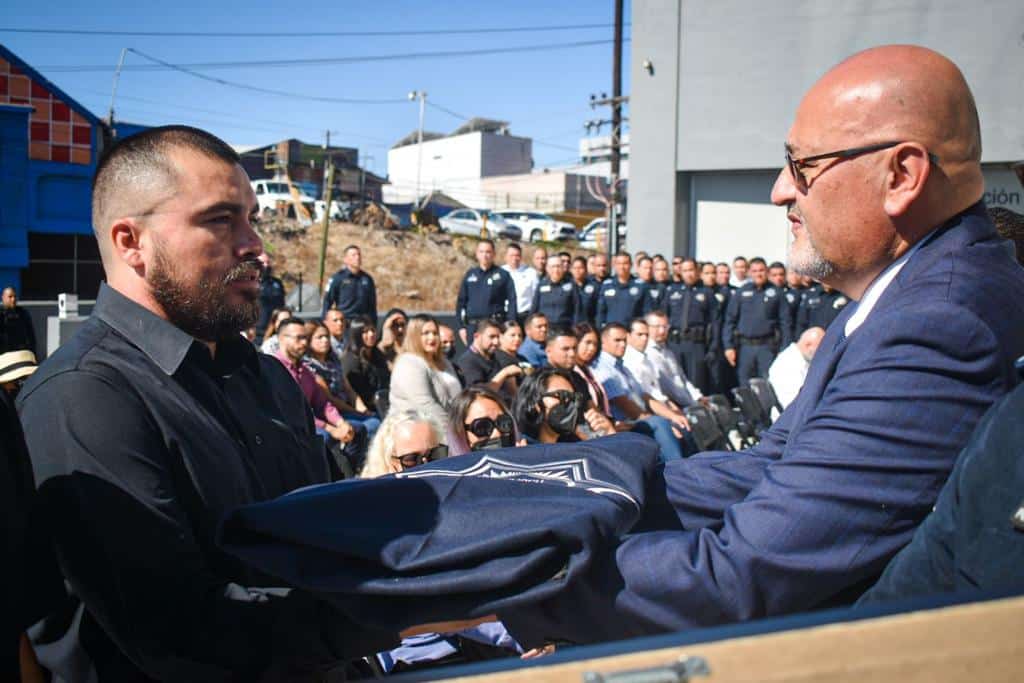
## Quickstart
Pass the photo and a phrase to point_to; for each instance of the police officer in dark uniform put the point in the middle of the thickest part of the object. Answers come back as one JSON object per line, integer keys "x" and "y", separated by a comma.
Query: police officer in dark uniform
{"x": 557, "y": 296}
{"x": 621, "y": 298}
{"x": 794, "y": 294}
{"x": 351, "y": 290}
{"x": 486, "y": 292}
{"x": 588, "y": 288}
{"x": 659, "y": 287}
{"x": 693, "y": 322}
{"x": 271, "y": 296}
{"x": 722, "y": 375}
{"x": 755, "y": 324}
{"x": 819, "y": 307}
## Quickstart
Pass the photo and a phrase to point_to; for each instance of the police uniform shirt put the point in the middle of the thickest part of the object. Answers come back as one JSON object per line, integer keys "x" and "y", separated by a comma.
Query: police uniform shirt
{"x": 690, "y": 308}
{"x": 589, "y": 291}
{"x": 486, "y": 294}
{"x": 352, "y": 294}
{"x": 753, "y": 313}
{"x": 656, "y": 293}
{"x": 620, "y": 303}
{"x": 559, "y": 301}
{"x": 819, "y": 308}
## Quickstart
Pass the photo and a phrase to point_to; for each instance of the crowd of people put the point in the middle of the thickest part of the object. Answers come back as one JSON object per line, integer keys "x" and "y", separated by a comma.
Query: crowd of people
{"x": 191, "y": 392}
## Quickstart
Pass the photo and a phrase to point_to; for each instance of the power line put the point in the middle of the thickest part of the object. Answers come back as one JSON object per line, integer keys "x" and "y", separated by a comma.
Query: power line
{"x": 305, "y": 34}
{"x": 319, "y": 61}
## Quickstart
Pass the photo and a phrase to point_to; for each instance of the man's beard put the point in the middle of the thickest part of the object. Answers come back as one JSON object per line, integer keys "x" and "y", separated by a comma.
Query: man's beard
{"x": 806, "y": 259}
{"x": 200, "y": 308}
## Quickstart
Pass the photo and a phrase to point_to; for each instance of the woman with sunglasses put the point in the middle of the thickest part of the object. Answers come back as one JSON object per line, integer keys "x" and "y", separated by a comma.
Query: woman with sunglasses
{"x": 422, "y": 378}
{"x": 480, "y": 420}
{"x": 550, "y": 409}
{"x": 405, "y": 439}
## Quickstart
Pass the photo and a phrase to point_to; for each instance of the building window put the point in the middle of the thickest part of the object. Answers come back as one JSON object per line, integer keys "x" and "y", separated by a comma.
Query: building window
{"x": 61, "y": 263}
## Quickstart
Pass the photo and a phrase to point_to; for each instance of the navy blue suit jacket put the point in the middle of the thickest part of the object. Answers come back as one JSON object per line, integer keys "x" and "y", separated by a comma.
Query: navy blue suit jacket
{"x": 837, "y": 486}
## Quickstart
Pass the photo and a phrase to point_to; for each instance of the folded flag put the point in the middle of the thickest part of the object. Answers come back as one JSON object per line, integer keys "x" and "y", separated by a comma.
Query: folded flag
{"x": 451, "y": 539}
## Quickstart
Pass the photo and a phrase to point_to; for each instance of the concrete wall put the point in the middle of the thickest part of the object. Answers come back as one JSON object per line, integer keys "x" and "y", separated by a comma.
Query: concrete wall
{"x": 454, "y": 165}
{"x": 658, "y": 212}
{"x": 728, "y": 76}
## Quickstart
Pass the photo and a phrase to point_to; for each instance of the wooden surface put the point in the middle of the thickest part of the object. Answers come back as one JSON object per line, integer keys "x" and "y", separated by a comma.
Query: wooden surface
{"x": 973, "y": 643}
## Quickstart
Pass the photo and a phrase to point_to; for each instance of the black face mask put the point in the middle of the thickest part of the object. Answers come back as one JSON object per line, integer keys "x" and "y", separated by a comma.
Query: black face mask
{"x": 505, "y": 441}
{"x": 564, "y": 418}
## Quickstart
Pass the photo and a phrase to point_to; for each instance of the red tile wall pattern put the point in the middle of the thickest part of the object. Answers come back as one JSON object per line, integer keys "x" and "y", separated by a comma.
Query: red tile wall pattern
{"x": 55, "y": 131}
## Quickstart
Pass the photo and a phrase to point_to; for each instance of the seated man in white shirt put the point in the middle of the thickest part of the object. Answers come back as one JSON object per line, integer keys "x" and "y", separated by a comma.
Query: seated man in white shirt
{"x": 670, "y": 375}
{"x": 789, "y": 369}
{"x": 647, "y": 376}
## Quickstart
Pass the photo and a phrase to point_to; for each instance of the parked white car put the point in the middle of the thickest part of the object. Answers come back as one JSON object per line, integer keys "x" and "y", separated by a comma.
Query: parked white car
{"x": 539, "y": 226}
{"x": 479, "y": 223}
{"x": 593, "y": 234}
{"x": 270, "y": 192}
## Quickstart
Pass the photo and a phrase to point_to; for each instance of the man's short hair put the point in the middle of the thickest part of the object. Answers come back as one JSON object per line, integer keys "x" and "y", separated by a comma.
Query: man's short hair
{"x": 533, "y": 316}
{"x": 622, "y": 252}
{"x": 636, "y": 321}
{"x": 483, "y": 324}
{"x": 1010, "y": 225}
{"x": 721, "y": 263}
{"x": 741, "y": 258}
{"x": 777, "y": 264}
{"x": 486, "y": 240}
{"x": 288, "y": 322}
{"x": 757, "y": 259}
{"x": 514, "y": 245}
{"x": 556, "y": 331}
{"x": 613, "y": 326}
{"x": 580, "y": 259}
{"x": 140, "y": 162}
{"x": 565, "y": 254}
{"x": 690, "y": 260}
{"x": 643, "y": 258}
{"x": 351, "y": 247}
{"x": 656, "y": 313}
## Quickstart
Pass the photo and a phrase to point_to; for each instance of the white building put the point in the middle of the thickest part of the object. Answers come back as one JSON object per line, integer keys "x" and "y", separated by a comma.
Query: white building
{"x": 714, "y": 86}
{"x": 596, "y": 157}
{"x": 455, "y": 164}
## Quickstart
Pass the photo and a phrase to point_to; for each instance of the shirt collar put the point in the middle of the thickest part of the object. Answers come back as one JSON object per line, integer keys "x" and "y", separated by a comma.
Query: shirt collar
{"x": 165, "y": 344}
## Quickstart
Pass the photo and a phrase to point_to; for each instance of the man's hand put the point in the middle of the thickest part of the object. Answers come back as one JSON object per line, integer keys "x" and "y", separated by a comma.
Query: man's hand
{"x": 730, "y": 355}
{"x": 507, "y": 372}
{"x": 680, "y": 421}
{"x": 462, "y": 336}
{"x": 342, "y": 431}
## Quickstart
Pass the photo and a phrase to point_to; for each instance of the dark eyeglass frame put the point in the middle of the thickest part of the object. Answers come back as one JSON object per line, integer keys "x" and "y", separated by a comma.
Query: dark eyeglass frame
{"x": 796, "y": 166}
{"x": 483, "y": 426}
{"x": 564, "y": 396}
{"x": 422, "y": 457}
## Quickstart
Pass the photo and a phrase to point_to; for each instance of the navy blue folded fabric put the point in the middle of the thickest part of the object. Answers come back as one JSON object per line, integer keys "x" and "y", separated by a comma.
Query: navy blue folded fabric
{"x": 455, "y": 538}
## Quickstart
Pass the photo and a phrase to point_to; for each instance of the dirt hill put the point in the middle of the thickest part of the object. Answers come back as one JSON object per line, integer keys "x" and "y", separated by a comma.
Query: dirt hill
{"x": 412, "y": 271}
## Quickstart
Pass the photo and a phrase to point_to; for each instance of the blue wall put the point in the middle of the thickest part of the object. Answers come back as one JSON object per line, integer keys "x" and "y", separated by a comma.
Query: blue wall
{"x": 14, "y": 197}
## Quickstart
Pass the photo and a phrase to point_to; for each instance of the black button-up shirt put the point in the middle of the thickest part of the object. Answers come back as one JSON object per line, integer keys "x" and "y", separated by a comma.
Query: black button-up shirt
{"x": 140, "y": 443}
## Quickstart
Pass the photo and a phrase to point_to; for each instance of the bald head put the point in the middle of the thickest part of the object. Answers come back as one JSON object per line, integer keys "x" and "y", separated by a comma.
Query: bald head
{"x": 809, "y": 342}
{"x": 904, "y": 92}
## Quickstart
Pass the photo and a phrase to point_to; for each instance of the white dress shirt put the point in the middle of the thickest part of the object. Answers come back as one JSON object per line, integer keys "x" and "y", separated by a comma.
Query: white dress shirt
{"x": 525, "y": 279}
{"x": 644, "y": 372}
{"x": 671, "y": 377}
{"x": 787, "y": 374}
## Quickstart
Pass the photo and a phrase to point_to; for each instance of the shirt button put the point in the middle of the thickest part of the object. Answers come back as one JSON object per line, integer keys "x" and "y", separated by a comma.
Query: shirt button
{"x": 259, "y": 440}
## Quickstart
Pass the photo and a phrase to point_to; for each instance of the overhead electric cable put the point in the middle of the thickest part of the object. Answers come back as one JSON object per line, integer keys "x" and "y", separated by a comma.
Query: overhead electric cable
{"x": 305, "y": 34}
{"x": 321, "y": 61}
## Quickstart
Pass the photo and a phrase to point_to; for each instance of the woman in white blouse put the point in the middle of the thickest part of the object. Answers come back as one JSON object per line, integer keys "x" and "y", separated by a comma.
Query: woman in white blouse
{"x": 422, "y": 378}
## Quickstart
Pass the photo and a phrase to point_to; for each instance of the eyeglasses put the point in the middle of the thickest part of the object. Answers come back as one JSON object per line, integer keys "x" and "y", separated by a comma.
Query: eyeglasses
{"x": 484, "y": 426}
{"x": 422, "y": 457}
{"x": 564, "y": 396}
{"x": 796, "y": 166}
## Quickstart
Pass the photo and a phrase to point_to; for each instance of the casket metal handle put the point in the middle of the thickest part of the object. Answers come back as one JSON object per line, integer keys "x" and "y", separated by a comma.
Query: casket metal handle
{"x": 680, "y": 671}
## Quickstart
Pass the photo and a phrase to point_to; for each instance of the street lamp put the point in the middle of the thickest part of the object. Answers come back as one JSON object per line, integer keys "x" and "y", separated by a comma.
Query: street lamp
{"x": 422, "y": 97}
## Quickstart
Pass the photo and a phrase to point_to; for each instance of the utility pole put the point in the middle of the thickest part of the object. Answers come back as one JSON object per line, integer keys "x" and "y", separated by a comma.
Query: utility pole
{"x": 613, "y": 219}
{"x": 329, "y": 186}
{"x": 422, "y": 97}
{"x": 113, "y": 91}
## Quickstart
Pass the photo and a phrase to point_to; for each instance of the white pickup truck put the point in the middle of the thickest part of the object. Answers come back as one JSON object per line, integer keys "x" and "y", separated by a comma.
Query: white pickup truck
{"x": 273, "y": 194}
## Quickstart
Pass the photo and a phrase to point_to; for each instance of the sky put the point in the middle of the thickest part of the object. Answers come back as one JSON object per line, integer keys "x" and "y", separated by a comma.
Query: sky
{"x": 541, "y": 86}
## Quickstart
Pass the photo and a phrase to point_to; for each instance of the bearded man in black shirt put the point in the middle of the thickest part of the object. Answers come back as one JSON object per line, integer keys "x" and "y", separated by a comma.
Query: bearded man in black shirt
{"x": 155, "y": 420}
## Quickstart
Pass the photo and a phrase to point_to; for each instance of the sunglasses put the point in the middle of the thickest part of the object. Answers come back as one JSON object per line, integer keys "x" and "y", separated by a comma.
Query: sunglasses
{"x": 485, "y": 426}
{"x": 796, "y": 166}
{"x": 422, "y": 457}
{"x": 564, "y": 396}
